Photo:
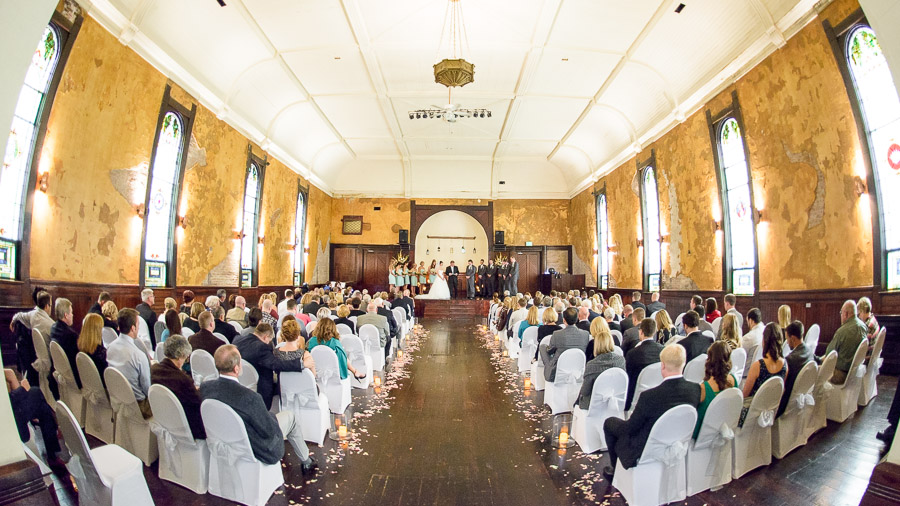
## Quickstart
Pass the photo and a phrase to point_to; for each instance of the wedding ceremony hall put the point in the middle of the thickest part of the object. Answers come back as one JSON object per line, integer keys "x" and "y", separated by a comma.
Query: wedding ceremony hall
{"x": 450, "y": 252}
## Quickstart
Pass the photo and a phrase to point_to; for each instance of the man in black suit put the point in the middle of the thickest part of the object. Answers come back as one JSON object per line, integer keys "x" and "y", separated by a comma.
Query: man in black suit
{"x": 480, "y": 284}
{"x": 223, "y": 327}
{"x": 97, "y": 308}
{"x": 490, "y": 280}
{"x": 452, "y": 273}
{"x": 636, "y": 301}
{"x": 257, "y": 349}
{"x": 591, "y": 313}
{"x": 27, "y": 405}
{"x": 503, "y": 279}
{"x": 584, "y": 322}
{"x": 355, "y": 303}
{"x": 313, "y": 306}
{"x": 562, "y": 340}
{"x": 392, "y": 322}
{"x": 513, "y": 275}
{"x": 631, "y": 336}
{"x": 403, "y": 300}
{"x": 626, "y": 322}
{"x": 644, "y": 353}
{"x": 796, "y": 359}
{"x": 470, "y": 280}
{"x": 64, "y": 335}
{"x": 145, "y": 309}
{"x": 695, "y": 344}
{"x": 169, "y": 374}
{"x": 655, "y": 305}
{"x": 266, "y": 431}
{"x": 627, "y": 439}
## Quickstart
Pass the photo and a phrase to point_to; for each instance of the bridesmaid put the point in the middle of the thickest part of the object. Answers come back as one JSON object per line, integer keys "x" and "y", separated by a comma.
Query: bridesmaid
{"x": 392, "y": 280}
{"x": 413, "y": 279}
{"x": 423, "y": 277}
{"x": 405, "y": 270}
{"x": 432, "y": 273}
{"x": 398, "y": 273}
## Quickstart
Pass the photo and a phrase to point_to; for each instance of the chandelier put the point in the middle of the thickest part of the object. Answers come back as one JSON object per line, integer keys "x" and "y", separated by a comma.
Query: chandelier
{"x": 452, "y": 72}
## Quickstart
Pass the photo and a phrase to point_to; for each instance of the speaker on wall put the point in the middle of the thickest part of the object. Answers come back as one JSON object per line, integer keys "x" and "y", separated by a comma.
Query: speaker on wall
{"x": 404, "y": 236}
{"x": 498, "y": 238}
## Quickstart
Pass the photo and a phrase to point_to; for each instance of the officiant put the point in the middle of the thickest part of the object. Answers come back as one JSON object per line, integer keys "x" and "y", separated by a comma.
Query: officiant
{"x": 452, "y": 273}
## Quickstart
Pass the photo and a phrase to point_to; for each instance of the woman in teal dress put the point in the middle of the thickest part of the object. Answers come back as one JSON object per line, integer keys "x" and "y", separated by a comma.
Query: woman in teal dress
{"x": 398, "y": 273}
{"x": 392, "y": 280}
{"x": 405, "y": 276}
{"x": 423, "y": 276}
{"x": 432, "y": 272}
{"x": 413, "y": 278}
{"x": 718, "y": 378}
{"x": 326, "y": 334}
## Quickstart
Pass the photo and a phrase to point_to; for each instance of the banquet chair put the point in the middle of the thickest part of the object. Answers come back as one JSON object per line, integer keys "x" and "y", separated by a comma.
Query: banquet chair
{"x": 537, "y": 368}
{"x": 607, "y": 401}
{"x": 310, "y": 326}
{"x": 249, "y": 376}
{"x": 109, "y": 335}
{"x": 359, "y": 359}
{"x": 372, "y": 344}
{"x": 843, "y": 401}
{"x": 617, "y": 336}
{"x": 812, "y": 338}
{"x": 203, "y": 367}
{"x": 716, "y": 324}
{"x": 738, "y": 361}
{"x": 649, "y": 377}
{"x": 789, "y": 431}
{"x": 821, "y": 393}
{"x": 65, "y": 381}
{"x": 237, "y": 326}
{"x": 160, "y": 352}
{"x": 132, "y": 429}
{"x": 869, "y": 388}
{"x": 186, "y": 332}
{"x": 561, "y": 393}
{"x": 300, "y": 394}
{"x": 529, "y": 346}
{"x": 695, "y": 370}
{"x": 98, "y": 414}
{"x": 753, "y": 442}
{"x": 158, "y": 329}
{"x": 337, "y": 390}
{"x": 221, "y": 337}
{"x": 43, "y": 366}
{"x": 344, "y": 329}
{"x": 183, "y": 460}
{"x": 709, "y": 457}
{"x": 144, "y": 334}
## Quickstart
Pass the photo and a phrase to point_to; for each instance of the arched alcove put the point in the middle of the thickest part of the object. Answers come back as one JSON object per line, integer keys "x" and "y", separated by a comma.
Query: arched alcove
{"x": 451, "y": 224}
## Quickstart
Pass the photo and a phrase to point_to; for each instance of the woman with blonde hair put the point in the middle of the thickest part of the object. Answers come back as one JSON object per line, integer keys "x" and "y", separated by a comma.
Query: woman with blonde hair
{"x": 325, "y": 333}
{"x": 731, "y": 333}
{"x": 343, "y": 313}
{"x": 532, "y": 320}
{"x": 110, "y": 315}
{"x": 294, "y": 347}
{"x": 548, "y": 326}
{"x": 168, "y": 304}
{"x": 603, "y": 357}
{"x": 784, "y": 316}
{"x": 192, "y": 322}
{"x": 90, "y": 342}
{"x": 615, "y": 302}
{"x": 665, "y": 329}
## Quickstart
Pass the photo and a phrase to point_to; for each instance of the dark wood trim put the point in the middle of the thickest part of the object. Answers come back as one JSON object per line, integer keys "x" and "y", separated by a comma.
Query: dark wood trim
{"x": 650, "y": 162}
{"x": 22, "y": 484}
{"x": 261, "y": 164}
{"x": 884, "y": 486}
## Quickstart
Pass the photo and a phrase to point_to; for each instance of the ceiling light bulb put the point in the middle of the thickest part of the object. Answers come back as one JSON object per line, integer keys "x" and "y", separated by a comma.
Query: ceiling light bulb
{"x": 489, "y": 114}
{"x": 410, "y": 115}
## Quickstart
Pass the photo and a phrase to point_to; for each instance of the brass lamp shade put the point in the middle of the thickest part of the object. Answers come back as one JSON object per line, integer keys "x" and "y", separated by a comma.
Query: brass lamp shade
{"x": 454, "y": 72}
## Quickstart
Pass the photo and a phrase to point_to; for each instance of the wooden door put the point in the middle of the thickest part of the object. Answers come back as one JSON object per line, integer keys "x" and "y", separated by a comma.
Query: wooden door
{"x": 346, "y": 264}
{"x": 375, "y": 269}
{"x": 529, "y": 271}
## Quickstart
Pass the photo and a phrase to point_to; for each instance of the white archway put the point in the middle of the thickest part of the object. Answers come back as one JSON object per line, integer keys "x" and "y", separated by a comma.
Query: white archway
{"x": 451, "y": 224}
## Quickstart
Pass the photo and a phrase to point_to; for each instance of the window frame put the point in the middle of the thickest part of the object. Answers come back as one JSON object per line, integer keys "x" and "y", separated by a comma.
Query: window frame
{"x": 642, "y": 167}
{"x": 261, "y": 164}
{"x": 300, "y": 236}
{"x": 602, "y": 239}
{"x": 715, "y": 124}
{"x": 187, "y": 116}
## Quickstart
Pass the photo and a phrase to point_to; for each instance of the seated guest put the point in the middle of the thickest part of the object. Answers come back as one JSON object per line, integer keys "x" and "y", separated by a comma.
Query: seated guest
{"x": 630, "y": 336}
{"x": 267, "y": 315}
{"x": 583, "y": 320}
{"x": 97, "y": 308}
{"x": 702, "y": 324}
{"x": 204, "y": 338}
{"x": 796, "y": 359}
{"x": 730, "y": 301}
{"x": 343, "y": 312}
{"x": 532, "y": 320}
{"x": 784, "y": 317}
{"x": 772, "y": 364}
{"x": 520, "y": 313}
{"x": 187, "y": 301}
{"x": 326, "y": 334}
{"x": 627, "y": 439}
{"x": 731, "y": 334}
{"x": 213, "y": 302}
{"x": 379, "y": 322}
{"x": 636, "y": 302}
{"x": 169, "y": 374}
{"x": 845, "y": 341}
{"x": 603, "y": 357}
{"x": 695, "y": 343}
{"x": 110, "y": 315}
{"x": 288, "y": 295}
{"x": 593, "y": 309}
{"x": 625, "y": 320}
{"x": 655, "y": 305}
{"x": 294, "y": 346}
{"x": 238, "y": 312}
{"x": 223, "y": 327}
{"x": 257, "y": 349}
{"x": 503, "y": 315}
{"x": 406, "y": 302}
{"x": 355, "y": 303}
{"x": 712, "y": 310}
{"x": 168, "y": 304}
{"x": 864, "y": 312}
{"x": 696, "y": 301}
{"x": 718, "y": 377}
{"x": 39, "y": 317}
{"x": 548, "y": 327}
{"x": 27, "y": 405}
{"x": 266, "y": 431}
{"x": 384, "y": 310}
{"x": 609, "y": 314}
{"x": 125, "y": 355}
{"x": 290, "y": 308}
{"x": 665, "y": 329}
{"x": 562, "y": 340}
{"x": 64, "y": 335}
{"x": 253, "y": 318}
{"x": 644, "y": 353}
{"x": 145, "y": 309}
{"x": 312, "y": 307}
{"x": 90, "y": 341}
{"x": 752, "y": 340}
{"x": 173, "y": 325}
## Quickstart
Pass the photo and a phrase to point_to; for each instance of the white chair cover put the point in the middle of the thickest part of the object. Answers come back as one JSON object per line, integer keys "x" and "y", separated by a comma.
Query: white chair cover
{"x": 618, "y": 351}
{"x": 537, "y": 368}
{"x": 372, "y": 344}
{"x": 43, "y": 366}
{"x": 300, "y": 394}
{"x": 203, "y": 367}
{"x": 237, "y": 326}
{"x": 738, "y": 360}
{"x": 158, "y": 329}
{"x": 400, "y": 318}
{"x": 561, "y": 393}
{"x": 812, "y": 338}
{"x": 65, "y": 380}
{"x": 353, "y": 319}
{"x": 109, "y": 335}
{"x": 659, "y": 476}
{"x": 716, "y": 324}
{"x": 844, "y": 400}
{"x": 695, "y": 370}
{"x": 105, "y": 476}
{"x": 529, "y": 346}
{"x": 607, "y": 400}
{"x": 512, "y": 343}
{"x": 869, "y": 388}
{"x": 617, "y": 336}
{"x": 310, "y": 326}
{"x": 789, "y": 431}
{"x": 359, "y": 359}
{"x": 182, "y": 459}
{"x": 144, "y": 334}
{"x": 678, "y": 320}
{"x": 708, "y": 334}
{"x": 709, "y": 457}
{"x": 99, "y": 420}
{"x": 329, "y": 379}
{"x": 344, "y": 330}
{"x": 234, "y": 473}
{"x": 249, "y": 377}
{"x": 821, "y": 393}
{"x": 186, "y": 332}
{"x": 753, "y": 442}
{"x": 132, "y": 430}
{"x": 160, "y": 353}
{"x": 221, "y": 337}
{"x": 649, "y": 377}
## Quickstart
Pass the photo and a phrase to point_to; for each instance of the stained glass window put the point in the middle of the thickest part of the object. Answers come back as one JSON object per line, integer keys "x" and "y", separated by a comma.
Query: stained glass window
{"x": 160, "y": 208}
{"x": 880, "y": 106}
{"x": 652, "y": 240}
{"x": 602, "y": 243}
{"x": 17, "y": 158}
{"x": 249, "y": 240}
{"x": 739, "y": 206}
{"x": 299, "y": 238}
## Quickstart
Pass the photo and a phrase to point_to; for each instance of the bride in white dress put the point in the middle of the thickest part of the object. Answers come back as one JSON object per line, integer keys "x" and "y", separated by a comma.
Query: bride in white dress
{"x": 439, "y": 289}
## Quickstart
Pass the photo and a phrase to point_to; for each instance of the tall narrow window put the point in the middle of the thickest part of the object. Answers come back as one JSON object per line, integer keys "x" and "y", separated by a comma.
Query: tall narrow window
{"x": 163, "y": 191}
{"x": 737, "y": 201}
{"x": 20, "y": 147}
{"x": 300, "y": 237}
{"x": 880, "y": 106}
{"x": 250, "y": 233}
{"x": 652, "y": 240}
{"x": 602, "y": 242}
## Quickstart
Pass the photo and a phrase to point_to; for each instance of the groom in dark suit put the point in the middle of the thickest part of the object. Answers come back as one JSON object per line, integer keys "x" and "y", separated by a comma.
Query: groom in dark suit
{"x": 452, "y": 274}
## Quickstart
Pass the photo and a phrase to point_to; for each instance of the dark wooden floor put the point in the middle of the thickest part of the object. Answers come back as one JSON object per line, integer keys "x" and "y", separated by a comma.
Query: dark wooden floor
{"x": 452, "y": 426}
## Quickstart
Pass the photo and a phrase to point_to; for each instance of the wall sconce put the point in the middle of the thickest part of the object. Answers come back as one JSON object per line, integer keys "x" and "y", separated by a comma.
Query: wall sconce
{"x": 640, "y": 243}
{"x": 860, "y": 186}
{"x": 44, "y": 181}
{"x": 306, "y": 249}
{"x": 664, "y": 238}
{"x": 718, "y": 225}
{"x": 612, "y": 248}
{"x": 261, "y": 239}
{"x": 758, "y": 215}
{"x": 140, "y": 210}
{"x": 182, "y": 221}
{"x": 239, "y": 235}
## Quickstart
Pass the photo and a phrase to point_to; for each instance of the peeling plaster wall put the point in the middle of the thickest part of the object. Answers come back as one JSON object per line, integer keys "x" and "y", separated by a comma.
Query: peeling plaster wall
{"x": 542, "y": 222}
{"x": 379, "y": 227}
{"x": 318, "y": 228}
{"x": 583, "y": 235}
{"x": 276, "y": 225}
{"x": 624, "y": 210}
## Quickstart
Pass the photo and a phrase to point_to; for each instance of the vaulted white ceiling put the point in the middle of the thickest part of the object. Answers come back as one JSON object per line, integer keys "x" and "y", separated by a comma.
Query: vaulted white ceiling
{"x": 576, "y": 87}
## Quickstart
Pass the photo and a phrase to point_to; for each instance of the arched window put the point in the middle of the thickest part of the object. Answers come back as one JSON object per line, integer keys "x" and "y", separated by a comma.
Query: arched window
{"x": 250, "y": 233}
{"x": 652, "y": 240}
{"x": 602, "y": 242}
{"x": 877, "y": 96}
{"x": 739, "y": 215}
{"x": 300, "y": 237}
{"x": 20, "y": 147}
{"x": 163, "y": 192}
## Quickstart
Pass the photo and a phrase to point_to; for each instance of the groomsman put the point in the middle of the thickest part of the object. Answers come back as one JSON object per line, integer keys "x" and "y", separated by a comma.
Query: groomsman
{"x": 503, "y": 273}
{"x": 513, "y": 275}
{"x": 481, "y": 272}
{"x": 490, "y": 281}
{"x": 470, "y": 280}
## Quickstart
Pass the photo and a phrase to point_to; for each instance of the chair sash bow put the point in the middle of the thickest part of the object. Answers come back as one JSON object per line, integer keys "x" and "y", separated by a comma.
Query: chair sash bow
{"x": 718, "y": 442}
{"x": 226, "y": 453}
{"x": 170, "y": 444}
{"x": 42, "y": 365}
{"x": 766, "y": 418}
{"x": 804, "y": 400}
{"x": 297, "y": 399}
{"x": 614, "y": 403}
{"x": 670, "y": 455}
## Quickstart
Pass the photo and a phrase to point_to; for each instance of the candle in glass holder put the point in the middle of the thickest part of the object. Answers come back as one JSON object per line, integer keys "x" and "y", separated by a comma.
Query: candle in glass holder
{"x": 377, "y": 381}
{"x": 338, "y": 422}
{"x": 342, "y": 432}
{"x": 497, "y": 337}
{"x": 505, "y": 353}
{"x": 527, "y": 383}
{"x": 399, "y": 353}
{"x": 563, "y": 438}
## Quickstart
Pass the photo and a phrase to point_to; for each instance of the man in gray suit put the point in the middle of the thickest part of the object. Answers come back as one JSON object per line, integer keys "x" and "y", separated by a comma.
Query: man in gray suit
{"x": 562, "y": 340}
{"x": 513, "y": 275}
{"x": 470, "y": 280}
{"x": 380, "y": 322}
